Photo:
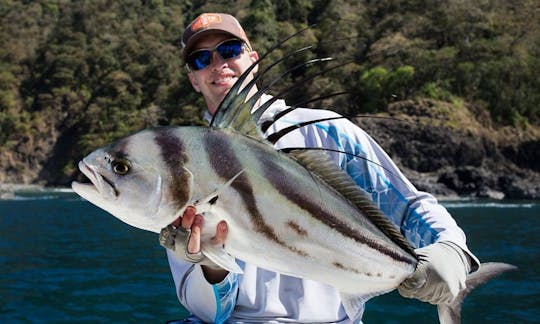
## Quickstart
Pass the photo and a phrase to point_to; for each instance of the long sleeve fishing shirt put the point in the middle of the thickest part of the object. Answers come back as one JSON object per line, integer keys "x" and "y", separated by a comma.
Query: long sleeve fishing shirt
{"x": 260, "y": 295}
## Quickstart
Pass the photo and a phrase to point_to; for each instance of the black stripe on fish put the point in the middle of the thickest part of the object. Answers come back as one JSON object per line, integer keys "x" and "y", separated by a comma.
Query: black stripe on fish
{"x": 119, "y": 148}
{"x": 367, "y": 274}
{"x": 275, "y": 176}
{"x": 297, "y": 228}
{"x": 174, "y": 154}
{"x": 226, "y": 164}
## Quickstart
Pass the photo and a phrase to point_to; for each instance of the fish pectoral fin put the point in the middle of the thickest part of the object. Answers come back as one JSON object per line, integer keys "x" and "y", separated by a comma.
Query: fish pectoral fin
{"x": 218, "y": 255}
{"x": 204, "y": 204}
{"x": 354, "y": 304}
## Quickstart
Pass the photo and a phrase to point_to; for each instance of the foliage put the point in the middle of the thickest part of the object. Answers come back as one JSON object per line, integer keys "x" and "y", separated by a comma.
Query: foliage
{"x": 379, "y": 86}
{"x": 100, "y": 69}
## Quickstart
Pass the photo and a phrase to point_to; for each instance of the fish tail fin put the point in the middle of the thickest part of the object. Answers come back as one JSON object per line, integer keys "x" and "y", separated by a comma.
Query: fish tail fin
{"x": 451, "y": 313}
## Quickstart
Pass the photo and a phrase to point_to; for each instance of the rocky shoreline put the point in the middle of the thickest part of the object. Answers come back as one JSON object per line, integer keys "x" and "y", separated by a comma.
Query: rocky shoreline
{"x": 10, "y": 190}
{"x": 458, "y": 154}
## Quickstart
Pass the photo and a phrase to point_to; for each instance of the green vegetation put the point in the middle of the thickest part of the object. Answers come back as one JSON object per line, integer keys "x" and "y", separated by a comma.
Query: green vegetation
{"x": 99, "y": 69}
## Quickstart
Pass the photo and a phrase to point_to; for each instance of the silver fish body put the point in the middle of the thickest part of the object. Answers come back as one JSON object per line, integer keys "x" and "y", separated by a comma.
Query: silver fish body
{"x": 280, "y": 216}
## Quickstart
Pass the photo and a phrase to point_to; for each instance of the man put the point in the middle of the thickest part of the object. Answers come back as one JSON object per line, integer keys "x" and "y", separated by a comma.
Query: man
{"x": 217, "y": 51}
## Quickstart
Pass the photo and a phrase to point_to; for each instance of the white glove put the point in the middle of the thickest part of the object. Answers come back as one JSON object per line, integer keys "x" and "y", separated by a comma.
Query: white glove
{"x": 440, "y": 274}
{"x": 176, "y": 239}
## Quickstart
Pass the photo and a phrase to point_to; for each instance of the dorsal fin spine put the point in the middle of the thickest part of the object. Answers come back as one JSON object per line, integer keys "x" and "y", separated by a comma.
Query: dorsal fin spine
{"x": 258, "y": 113}
{"x": 274, "y": 137}
{"x": 266, "y": 124}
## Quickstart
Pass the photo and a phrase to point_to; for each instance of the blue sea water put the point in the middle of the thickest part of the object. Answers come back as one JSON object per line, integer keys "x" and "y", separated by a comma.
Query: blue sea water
{"x": 63, "y": 260}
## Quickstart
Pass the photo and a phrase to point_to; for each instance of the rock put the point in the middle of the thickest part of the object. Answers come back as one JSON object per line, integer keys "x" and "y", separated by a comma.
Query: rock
{"x": 525, "y": 155}
{"x": 450, "y": 161}
{"x": 491, "y": 194}
{"x": 516, "y": 187}
{"x": 6, "y": 192}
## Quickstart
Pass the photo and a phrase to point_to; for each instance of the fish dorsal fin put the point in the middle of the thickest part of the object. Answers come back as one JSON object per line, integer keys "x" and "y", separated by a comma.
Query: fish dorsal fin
{"x": 320, "y": 165}
{"x": 235, "y": 110}
{"x": 239, "y": 111}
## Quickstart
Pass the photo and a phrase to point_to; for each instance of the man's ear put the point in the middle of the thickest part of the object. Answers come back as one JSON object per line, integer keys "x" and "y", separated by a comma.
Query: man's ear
{"x": 254, "y": 56}
{"x": 194, "y": 82}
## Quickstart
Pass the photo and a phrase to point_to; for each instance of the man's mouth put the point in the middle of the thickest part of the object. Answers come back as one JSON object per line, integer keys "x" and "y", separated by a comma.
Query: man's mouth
{"x": 224, "y": 80}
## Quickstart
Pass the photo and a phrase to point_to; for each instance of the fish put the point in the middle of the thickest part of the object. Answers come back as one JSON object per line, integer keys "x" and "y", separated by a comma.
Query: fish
{"x": 290, "y": 211}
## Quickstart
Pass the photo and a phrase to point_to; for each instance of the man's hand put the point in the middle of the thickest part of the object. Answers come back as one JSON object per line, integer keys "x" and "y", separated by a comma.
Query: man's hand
{"x": 440, "y": 274}
{"x": 184, "y": 237}
{"x": 194, "y": 222}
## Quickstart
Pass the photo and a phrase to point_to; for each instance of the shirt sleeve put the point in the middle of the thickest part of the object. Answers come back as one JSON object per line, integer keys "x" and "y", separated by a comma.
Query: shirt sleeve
{"x": 209, "y": 302}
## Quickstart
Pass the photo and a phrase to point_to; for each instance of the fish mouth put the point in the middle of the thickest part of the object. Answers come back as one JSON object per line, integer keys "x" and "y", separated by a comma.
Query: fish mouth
{"x": 98, "y": 183}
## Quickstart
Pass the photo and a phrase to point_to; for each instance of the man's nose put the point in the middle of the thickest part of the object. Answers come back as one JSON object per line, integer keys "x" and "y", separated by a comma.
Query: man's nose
{"x": 217, "y": 60}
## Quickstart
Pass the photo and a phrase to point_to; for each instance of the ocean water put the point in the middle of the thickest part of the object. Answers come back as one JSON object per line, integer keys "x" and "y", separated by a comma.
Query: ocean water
{"x": 63, "y": 260}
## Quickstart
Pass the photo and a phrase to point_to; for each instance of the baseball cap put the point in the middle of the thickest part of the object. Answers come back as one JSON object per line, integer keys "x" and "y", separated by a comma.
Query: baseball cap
{"x": 208, "y": 23}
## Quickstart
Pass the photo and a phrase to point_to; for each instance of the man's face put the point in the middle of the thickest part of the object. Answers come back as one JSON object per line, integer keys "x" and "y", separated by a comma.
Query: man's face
{"x": 215, "y": 81}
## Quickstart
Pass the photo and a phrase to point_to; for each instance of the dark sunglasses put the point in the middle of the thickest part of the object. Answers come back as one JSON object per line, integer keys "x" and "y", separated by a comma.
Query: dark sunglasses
{"x": 228, "y": 49}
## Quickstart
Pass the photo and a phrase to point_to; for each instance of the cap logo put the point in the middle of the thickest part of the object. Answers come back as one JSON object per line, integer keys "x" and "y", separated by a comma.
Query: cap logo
{"x": 205, "y": 20}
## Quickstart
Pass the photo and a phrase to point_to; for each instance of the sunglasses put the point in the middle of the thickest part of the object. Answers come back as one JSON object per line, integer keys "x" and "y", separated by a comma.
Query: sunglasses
{"x": 228, "y": 49}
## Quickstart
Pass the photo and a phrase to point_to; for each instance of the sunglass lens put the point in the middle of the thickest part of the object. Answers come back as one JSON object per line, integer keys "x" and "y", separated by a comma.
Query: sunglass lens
{"x": 199, "y": 60}
{"x": 230, "y": 49}
{"x": 202, "y": 58}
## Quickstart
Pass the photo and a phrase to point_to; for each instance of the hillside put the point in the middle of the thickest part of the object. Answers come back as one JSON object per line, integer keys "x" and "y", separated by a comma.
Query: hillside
{"x": 76, "y": 75}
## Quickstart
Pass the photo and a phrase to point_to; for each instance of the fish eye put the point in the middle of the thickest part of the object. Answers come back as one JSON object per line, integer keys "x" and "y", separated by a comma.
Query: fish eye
{"x": 120, "y": 166}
